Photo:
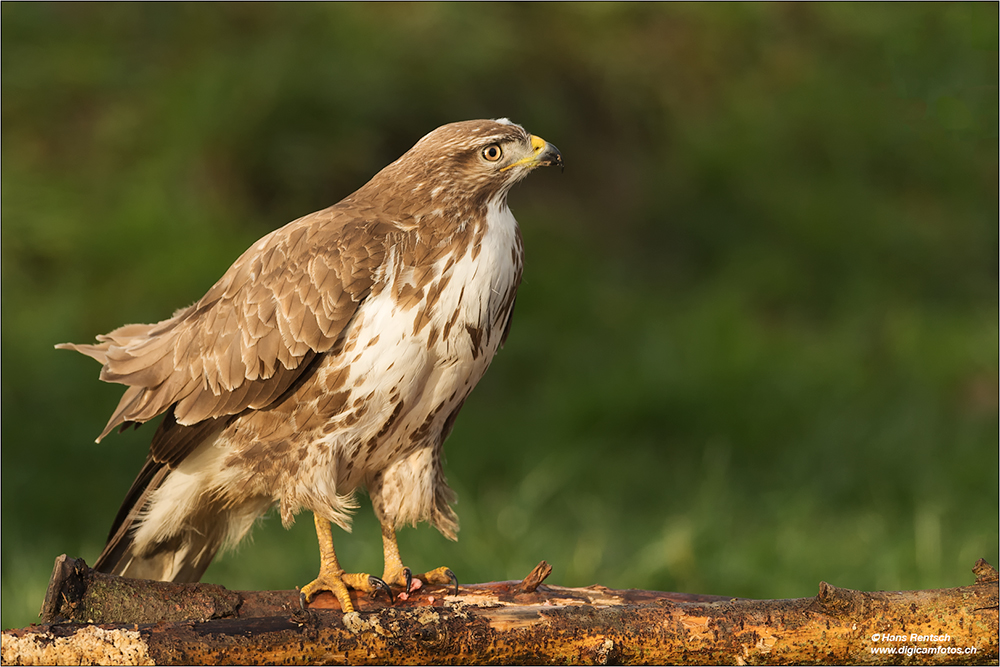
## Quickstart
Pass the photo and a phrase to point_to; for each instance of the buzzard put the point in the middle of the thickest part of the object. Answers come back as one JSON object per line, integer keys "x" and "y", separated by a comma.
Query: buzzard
{"x": 334, "y": 355}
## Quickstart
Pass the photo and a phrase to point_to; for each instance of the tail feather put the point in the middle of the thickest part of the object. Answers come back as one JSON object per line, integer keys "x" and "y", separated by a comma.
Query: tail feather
{"x": 181, "y": 553}
{"x": 183, "y": 557}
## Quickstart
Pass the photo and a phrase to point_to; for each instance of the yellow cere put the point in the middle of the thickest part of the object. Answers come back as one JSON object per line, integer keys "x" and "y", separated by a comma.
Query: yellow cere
{"x": 537, "y": 144}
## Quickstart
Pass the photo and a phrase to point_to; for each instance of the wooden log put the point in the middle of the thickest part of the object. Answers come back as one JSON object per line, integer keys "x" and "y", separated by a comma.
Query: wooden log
{"x": 91, "y": 618}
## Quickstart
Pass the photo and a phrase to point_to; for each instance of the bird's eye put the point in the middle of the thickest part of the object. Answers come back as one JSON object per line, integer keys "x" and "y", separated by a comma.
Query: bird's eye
{"x": 492, "y": 152}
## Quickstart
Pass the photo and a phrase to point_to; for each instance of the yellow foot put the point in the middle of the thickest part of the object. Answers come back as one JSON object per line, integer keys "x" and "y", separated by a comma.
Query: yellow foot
{"x": 441, "y": 576}
{"x": 401, "y": 577}
{"x": 338, "y": 583}
{"x": 397, "y": 574}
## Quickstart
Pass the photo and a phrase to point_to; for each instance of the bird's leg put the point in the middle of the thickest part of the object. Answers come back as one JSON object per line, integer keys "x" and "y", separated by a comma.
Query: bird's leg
{"x": 397, "y": 574}
{"x": 332, "y": 577}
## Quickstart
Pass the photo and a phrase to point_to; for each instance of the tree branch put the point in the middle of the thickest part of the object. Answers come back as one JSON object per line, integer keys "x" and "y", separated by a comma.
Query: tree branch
{"x": 91, "y": 617}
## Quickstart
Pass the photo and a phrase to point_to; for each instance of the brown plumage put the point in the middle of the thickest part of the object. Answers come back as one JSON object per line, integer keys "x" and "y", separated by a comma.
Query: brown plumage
{"x": 333, "y": 355}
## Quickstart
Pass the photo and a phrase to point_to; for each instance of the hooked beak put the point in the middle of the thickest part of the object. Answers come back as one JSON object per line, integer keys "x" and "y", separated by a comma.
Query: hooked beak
{"x": 546, "y": 155}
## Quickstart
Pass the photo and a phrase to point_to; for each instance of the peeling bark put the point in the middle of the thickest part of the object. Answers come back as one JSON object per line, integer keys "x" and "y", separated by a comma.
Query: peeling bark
{"x": 90, "y": 617}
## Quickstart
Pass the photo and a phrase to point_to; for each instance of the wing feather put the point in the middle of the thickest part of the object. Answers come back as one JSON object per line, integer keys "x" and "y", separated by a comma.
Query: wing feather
{"x": 288, "y": 297}
{"x": 266, "y": 352}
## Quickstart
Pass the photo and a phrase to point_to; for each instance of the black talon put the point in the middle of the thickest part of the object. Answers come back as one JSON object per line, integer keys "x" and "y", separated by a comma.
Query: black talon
{"x": 302, "y": 601}
{"x": 409, "y": 578}
{"x": 454, "y": 580}
{"x": 378, "y": 583}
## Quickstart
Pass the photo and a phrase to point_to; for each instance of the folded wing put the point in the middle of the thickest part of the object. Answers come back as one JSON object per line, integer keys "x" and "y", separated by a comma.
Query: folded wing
{"x": 242, "y": 345}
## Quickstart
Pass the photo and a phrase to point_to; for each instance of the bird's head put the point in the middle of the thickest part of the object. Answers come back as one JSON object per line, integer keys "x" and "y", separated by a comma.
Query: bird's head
{"x": 471, "y": 162}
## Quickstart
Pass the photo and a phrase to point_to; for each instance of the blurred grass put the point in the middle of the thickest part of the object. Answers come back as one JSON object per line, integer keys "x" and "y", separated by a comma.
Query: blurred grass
{"x": 756, "y": 346}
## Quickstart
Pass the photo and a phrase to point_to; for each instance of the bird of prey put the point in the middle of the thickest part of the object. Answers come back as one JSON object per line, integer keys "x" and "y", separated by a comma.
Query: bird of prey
{"x": 333, "y": 356}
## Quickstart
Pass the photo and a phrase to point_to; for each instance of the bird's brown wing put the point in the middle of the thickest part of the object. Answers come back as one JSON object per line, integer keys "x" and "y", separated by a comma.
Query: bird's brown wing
{"x": 242, "y": 345}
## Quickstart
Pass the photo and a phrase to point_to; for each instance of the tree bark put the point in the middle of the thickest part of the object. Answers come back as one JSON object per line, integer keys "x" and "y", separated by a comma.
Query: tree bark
{"x": 93, "y": 618}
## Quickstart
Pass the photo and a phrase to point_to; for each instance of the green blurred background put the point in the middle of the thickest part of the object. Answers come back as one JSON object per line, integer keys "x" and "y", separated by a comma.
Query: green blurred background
{"x": 756, "y": 345}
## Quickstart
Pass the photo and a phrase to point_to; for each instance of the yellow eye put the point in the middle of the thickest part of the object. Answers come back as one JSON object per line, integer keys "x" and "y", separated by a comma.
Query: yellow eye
{"x": 492, "y": 152}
